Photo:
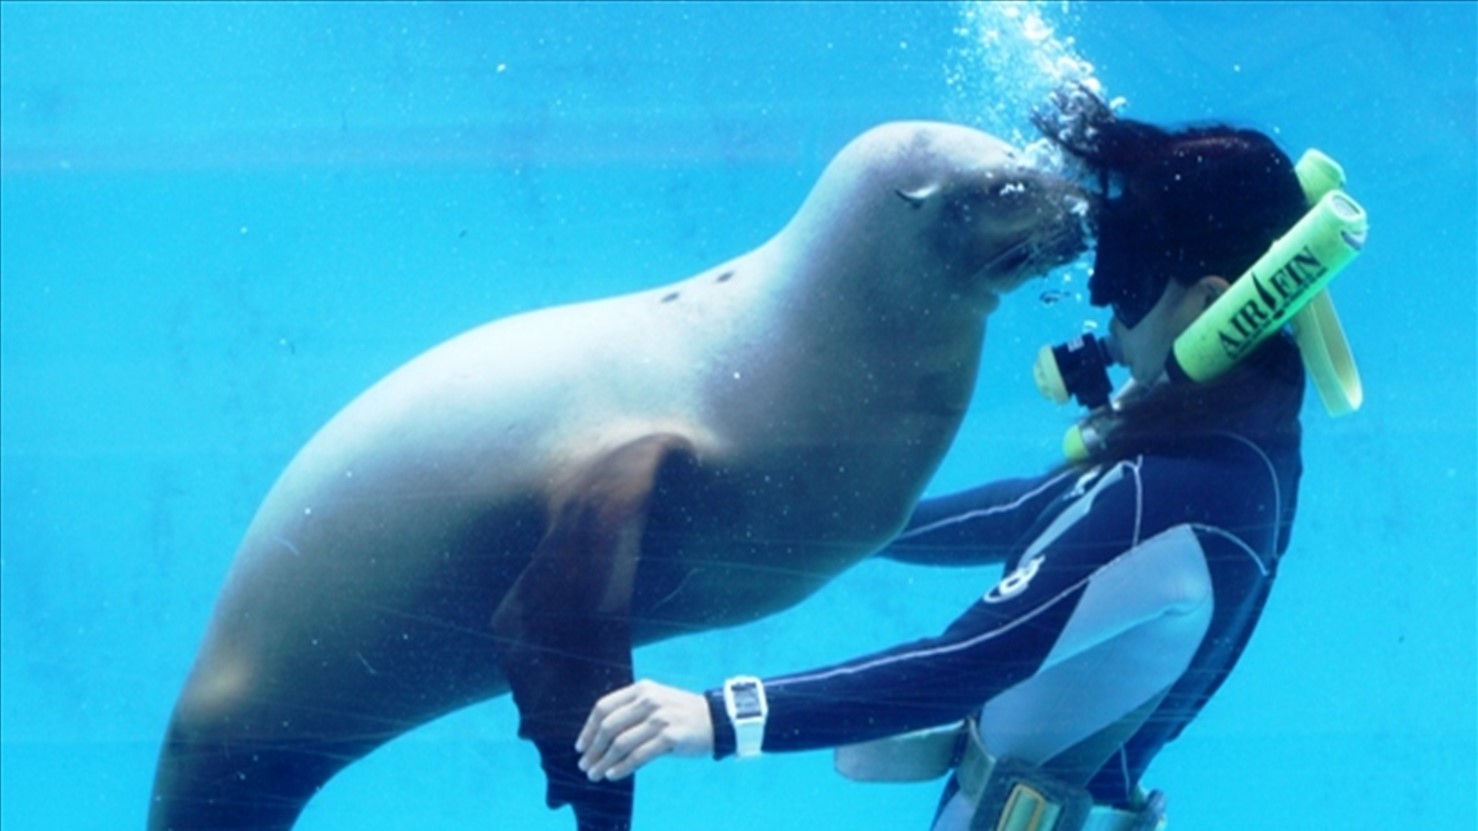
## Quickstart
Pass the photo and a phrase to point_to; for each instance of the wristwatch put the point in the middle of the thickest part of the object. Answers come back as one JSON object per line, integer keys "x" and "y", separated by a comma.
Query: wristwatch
{"x": 744, "y": 700}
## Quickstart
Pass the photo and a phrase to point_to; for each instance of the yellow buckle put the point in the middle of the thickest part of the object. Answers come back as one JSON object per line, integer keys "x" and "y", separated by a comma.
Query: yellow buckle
{"x": 1027, "y": 809}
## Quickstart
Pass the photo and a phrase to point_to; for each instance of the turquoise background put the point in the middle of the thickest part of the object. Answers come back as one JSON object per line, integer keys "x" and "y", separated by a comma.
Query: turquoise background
{"x": 220, "y": 222}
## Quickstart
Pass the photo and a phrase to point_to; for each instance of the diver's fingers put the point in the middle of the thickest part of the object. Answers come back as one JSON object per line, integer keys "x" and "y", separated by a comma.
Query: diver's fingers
{"x": 631, "y": 726}
{"x": 613, "y": 715}
{"x": 599, "y": 728}
{"x": 630, "y": 750}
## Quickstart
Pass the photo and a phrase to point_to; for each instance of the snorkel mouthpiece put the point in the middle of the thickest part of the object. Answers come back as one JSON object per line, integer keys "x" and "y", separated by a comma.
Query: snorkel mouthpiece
{"x": 1078, "y": 369}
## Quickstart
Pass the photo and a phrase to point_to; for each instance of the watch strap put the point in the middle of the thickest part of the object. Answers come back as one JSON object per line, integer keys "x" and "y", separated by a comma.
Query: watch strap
{"x": 723, "y": 729}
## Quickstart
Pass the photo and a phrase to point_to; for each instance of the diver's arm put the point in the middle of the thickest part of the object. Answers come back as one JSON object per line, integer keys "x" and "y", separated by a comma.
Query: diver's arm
{"x": 1134, "y": 560}
{"x": 994, "y": 645}
{"x": 980, "y": 526}
{"x": 925, "y": 683}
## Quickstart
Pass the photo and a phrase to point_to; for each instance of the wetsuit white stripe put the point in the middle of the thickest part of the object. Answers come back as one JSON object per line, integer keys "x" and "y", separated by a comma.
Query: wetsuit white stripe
{"x": 1212, "y": 530}
{"x": 947, "y": 649}
{"x": 1076, "y": 513}
{"x": 981, "y": 512}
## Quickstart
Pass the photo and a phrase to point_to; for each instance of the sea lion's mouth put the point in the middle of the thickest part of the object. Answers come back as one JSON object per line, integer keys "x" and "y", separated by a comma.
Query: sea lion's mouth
{"x": 1013, "y": 260}
{"x": 1035, "y": 254}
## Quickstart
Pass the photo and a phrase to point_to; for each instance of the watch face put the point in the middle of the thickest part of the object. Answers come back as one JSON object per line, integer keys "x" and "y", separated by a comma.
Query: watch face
{"x": 746, "y": 700}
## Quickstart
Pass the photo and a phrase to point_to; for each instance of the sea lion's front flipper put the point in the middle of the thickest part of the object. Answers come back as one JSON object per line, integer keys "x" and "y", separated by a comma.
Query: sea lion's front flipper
{"x": 564, "y": 630}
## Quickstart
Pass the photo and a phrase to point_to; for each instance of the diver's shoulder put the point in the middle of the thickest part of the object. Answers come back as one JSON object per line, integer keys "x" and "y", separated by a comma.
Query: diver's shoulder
{"x": 1216, "y": 460}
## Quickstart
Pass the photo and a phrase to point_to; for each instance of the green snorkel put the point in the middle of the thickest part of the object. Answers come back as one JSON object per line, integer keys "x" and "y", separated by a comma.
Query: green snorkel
{"x": 1286, "y": 285}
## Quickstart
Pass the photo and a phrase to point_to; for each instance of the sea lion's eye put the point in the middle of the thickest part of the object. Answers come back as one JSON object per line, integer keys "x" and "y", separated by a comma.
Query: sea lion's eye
{"x": 918, "y": 196}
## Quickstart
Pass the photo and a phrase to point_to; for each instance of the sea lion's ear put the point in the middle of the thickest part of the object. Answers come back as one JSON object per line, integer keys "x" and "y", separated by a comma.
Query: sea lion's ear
{"x": 563, "y": 633}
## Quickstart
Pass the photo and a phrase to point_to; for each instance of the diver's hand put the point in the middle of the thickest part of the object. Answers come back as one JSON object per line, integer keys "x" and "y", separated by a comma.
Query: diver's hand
{"x": 634, "y": 725}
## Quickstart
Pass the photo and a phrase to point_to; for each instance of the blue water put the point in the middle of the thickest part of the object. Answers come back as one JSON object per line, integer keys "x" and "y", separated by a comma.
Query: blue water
{"x": 220, "y": 222}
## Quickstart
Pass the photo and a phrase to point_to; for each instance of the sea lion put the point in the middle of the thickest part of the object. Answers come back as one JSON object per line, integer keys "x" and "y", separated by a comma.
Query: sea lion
{"x": 519, "y": 506}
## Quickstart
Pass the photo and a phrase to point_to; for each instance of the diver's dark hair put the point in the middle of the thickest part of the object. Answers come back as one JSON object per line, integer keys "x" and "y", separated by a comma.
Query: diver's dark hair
{"x": 1176, "y": 205}
{"x": 1181, "y": 205}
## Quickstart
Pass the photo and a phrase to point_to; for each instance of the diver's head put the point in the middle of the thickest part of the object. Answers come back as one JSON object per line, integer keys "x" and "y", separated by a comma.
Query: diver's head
{"x": 1179, "y": 206}
{"x": 1184, "y": 218}
{"x": 1180, "y": 214}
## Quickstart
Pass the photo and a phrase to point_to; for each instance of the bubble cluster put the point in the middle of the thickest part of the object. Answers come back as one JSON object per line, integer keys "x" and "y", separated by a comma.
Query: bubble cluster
{"x": 1015, "y": 58}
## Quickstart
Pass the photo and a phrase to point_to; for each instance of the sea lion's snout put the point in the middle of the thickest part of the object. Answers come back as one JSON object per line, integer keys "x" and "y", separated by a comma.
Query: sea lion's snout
{"x": 1070, "y": 210}
{"x": 1038, "y": 222}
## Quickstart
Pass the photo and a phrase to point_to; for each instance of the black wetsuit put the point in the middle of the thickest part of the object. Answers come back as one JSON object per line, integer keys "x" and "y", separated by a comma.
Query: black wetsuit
{"x": 1131, "y": 589}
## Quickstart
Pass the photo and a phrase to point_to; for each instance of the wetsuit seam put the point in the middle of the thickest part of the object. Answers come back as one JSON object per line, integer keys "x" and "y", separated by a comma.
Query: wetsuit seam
{"x": 1271, "y": 468}
{"x": 1138, "y": 500}
{"x": 945, "y": 649}
{"x": 982, "y": 512}
{"x": 972, "y": 642}
{"x": 1251, "y": 552}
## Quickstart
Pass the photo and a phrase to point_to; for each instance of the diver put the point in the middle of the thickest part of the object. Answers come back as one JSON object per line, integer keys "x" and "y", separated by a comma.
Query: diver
{"x": 1137, "y": 571}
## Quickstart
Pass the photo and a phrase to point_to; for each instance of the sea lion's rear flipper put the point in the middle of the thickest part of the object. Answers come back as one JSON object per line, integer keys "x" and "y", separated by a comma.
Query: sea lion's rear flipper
{"x": 564, "y": 630}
